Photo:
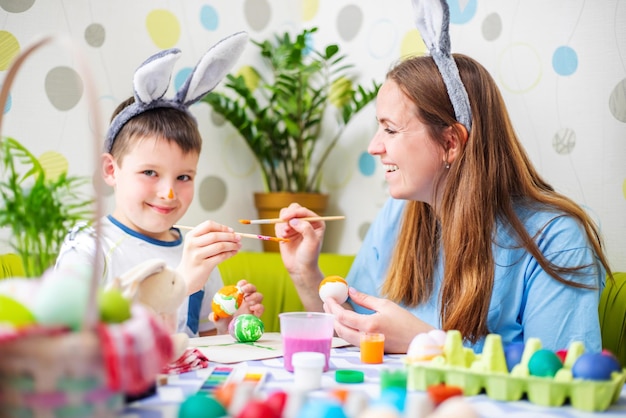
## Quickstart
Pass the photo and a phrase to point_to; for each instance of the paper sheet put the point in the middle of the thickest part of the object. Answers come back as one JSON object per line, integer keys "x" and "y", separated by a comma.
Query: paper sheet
{"x": 224, "y": 349}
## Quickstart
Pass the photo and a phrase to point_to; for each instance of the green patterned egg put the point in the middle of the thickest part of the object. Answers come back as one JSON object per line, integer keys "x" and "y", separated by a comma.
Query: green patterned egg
{"x": 246, "y": 328}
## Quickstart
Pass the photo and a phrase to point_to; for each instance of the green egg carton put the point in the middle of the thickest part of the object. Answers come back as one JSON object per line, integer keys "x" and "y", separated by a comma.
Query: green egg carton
{"x": 488, "y": 373}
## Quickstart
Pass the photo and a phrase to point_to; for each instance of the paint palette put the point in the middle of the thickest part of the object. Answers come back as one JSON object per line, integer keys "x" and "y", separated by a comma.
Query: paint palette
{"x": 221, "y": 375}
{"x": 487, "y": 372}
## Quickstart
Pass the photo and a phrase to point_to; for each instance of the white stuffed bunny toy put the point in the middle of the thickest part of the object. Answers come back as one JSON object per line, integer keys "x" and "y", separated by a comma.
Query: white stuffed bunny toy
{"x": 162, "y": 290}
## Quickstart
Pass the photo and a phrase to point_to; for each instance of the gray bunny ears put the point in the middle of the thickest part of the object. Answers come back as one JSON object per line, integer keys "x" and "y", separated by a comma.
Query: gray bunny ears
{"x": 432, "y": 18}
{"x": 152, "y": 79}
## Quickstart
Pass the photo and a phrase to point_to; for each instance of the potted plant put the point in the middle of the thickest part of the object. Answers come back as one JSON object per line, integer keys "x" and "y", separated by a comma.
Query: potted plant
{"x": 39, "y": 211}
{"x": 281, "y": 116}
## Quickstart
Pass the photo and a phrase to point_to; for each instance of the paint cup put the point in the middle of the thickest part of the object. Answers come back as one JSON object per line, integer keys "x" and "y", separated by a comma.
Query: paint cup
{"x": 306, "y": 331}
{"x": 372, "y": 347}
{"x": 307, "y": 369}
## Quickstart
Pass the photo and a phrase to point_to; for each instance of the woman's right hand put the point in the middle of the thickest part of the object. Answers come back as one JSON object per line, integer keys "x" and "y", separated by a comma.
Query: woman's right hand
{"x": 301, "y": 254}
{"x": 305, "y": 239}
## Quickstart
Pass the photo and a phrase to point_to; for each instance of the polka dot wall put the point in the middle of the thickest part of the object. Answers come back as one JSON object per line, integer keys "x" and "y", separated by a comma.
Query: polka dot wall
{"x": 561, "y": 66}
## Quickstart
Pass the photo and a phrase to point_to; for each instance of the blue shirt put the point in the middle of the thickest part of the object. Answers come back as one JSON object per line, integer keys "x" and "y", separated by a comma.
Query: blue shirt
{"x": 526, "y": 302}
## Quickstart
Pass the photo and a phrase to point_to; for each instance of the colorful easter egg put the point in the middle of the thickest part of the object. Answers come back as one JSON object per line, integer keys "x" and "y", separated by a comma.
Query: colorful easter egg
{"x": 595, "y": 366}
{"x": 334, "y": 287}
{"x": 246, "y": 328}
{"x": 201, "y": 405}
{"x": 513, "y": 354}
{"x": 226, "y": 301}
{"x": 424, "y": 347}
{"x": 14, "y": 313}
{"x": 62, "y": 298}
{"x": 114, "y": 308}
{"x": 544, "y": 363}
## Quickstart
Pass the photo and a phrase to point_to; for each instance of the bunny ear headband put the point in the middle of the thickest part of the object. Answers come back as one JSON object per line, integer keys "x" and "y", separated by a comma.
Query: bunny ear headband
{"x": 432, "y": 18}
{"x": 152, "y": 80}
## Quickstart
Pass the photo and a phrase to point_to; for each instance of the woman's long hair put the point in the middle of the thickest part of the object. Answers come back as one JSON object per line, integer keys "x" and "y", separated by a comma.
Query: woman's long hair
{"x": 480, "y": 188}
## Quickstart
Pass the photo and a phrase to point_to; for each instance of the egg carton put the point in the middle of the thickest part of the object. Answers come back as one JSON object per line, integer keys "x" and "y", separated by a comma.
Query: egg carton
{"x": 481, "y": 373}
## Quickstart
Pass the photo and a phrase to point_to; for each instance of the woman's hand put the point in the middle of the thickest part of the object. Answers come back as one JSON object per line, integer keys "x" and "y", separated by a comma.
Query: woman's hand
{"x": 305, "y": 239}
{"x": 398, "y": 324}
{"x": 300, "y": 255}
{"x": 205, "y": 246}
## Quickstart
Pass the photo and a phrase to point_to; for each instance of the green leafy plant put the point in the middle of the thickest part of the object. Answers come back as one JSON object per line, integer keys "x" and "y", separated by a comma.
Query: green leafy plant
{"x": 281, "y": 120}
{"x": 38, "y": 210}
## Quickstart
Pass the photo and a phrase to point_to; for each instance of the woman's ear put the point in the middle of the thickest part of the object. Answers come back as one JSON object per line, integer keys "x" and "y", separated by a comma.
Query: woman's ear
{"x": 455, "y": 137}
{"x": 109, "y": 166}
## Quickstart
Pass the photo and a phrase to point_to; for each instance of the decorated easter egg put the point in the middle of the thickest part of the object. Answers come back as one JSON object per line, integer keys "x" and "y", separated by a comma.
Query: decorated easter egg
{"x": 114, "y": 308}
{"x": 226, "y": 301}
{"x": 14, "y": 313}
{"x": 513, "y": 354}
{"x": 62, "y": 298}
{"x": 544, "y": 363}
{"x": 246, "y": 328}
{"x": 334, "y": 287}
{"x": 424, "y": 347}
{"x": 595, "y": 366}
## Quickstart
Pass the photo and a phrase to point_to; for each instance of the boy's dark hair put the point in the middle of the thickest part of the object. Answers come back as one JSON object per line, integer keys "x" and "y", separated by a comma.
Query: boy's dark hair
{"x": 169, "y": 124}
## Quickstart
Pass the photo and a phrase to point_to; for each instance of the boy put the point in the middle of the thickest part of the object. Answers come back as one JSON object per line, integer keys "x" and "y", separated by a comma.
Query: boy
{"x": 150, "y": 159}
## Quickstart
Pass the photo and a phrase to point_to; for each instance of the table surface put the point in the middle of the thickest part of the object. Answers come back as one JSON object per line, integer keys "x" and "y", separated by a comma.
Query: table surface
{"x": 166, "y": 402}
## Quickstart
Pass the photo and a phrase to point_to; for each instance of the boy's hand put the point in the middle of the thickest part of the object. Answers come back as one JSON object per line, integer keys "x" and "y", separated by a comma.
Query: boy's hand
{"x": 207, "y": 245}
{"x": 252, "y": 304}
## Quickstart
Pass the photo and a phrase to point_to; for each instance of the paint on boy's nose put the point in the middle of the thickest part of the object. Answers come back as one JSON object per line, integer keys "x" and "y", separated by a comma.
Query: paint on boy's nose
{"x": 171, "y": 194}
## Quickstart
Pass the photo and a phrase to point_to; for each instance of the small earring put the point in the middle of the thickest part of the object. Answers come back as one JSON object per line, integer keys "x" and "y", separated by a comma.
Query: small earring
{"x": 447, "y": 165}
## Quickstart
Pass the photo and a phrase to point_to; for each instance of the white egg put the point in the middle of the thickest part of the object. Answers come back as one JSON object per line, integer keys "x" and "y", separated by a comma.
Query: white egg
{"x": 62, "y": 298}
{"x": 423, "y": 347}
{"x": 454, "y": 407}
{"x": 334, "y": 287}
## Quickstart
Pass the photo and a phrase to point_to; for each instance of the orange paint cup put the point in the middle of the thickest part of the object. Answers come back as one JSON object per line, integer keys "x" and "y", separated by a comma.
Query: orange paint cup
{"x": 372, "y": 348}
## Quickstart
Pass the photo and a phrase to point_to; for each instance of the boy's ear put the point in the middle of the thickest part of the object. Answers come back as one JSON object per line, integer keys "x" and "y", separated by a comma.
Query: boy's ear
{"x": 108, "y": 169}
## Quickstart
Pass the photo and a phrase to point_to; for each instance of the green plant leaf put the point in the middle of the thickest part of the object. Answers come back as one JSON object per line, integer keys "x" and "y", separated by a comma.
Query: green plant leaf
{"x": 281, "y": 121}
{"x": 38, "y": 211}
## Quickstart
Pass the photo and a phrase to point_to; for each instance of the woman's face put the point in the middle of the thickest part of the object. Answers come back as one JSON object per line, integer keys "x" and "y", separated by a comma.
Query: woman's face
{"x": 411, "y": 159}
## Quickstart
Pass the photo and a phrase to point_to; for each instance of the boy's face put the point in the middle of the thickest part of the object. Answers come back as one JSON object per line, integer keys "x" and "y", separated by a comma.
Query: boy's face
{"x": 154, "y": 186}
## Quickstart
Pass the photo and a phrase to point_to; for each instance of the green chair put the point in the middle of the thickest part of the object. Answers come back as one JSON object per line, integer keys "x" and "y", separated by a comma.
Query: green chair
{"x": 267, "y": 272}
{"x": 612, "y": 312}
{"x": 11, "y": 266}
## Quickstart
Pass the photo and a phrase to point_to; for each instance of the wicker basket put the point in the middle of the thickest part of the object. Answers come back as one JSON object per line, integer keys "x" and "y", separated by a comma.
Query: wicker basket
{"x": 55, "y": 376}
{"x": 45, "y": 372}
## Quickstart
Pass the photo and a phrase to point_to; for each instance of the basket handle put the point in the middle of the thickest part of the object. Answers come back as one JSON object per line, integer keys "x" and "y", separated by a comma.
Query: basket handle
{"x": 91, "y": 314}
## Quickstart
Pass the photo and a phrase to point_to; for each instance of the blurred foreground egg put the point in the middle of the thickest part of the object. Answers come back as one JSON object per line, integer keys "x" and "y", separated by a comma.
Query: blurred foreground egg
{"x": 246, "y": 328}
{"x": 114, "y": 308}
{"x": 334, "y": 287}
{"x": 62, "y": 298}
{"x": 226, "y": 301}
{"x": 595, "y": 366}
{"x": 14, "y": 313}
{"x": 201, "y": 405}
{"x": 425, "y": 347}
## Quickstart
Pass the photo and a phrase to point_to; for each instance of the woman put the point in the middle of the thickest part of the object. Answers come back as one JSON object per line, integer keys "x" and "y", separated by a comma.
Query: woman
{"x": 485, "y": 244}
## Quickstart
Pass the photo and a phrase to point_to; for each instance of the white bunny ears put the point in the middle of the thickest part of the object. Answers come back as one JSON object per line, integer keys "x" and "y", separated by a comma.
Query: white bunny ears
{"x": 152, "y": 80}
{"x": 432, "y": 18}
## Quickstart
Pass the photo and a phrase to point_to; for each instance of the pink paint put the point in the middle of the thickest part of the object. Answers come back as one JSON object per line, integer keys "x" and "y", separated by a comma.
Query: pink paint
{"x": 295, "y": 345}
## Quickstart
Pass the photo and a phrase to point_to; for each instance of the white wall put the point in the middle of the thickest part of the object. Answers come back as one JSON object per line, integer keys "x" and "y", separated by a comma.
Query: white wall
{"x": 571, "y": 118}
